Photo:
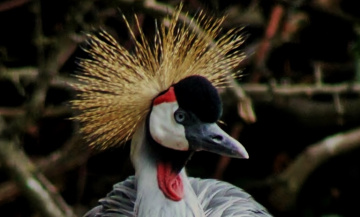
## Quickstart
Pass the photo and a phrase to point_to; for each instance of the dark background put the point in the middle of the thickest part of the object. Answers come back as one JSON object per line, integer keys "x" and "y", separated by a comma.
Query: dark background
{"x": 300, "y": 85}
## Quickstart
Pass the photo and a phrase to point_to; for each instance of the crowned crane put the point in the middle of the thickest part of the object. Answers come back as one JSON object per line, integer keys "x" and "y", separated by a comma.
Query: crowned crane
{"x": 164, "y": 98}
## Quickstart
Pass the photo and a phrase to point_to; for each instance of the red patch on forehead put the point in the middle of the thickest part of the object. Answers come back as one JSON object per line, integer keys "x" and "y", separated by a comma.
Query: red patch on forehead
{"x": 168, "y": 96}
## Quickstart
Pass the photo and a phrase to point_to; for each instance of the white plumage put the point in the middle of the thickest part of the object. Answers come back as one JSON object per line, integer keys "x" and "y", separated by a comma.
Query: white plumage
{"x": 217, "y": 199}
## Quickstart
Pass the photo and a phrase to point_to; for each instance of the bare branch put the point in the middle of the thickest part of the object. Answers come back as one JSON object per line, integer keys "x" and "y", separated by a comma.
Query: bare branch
{"x": 8, "y": 5}
{"x": 68, "y": 157}
{"x": 8, "y": 191}
{"x": 48, "y": 112}
{"x": 299, "y": 89}
{"x": 35, "y": 186}
{"x": 288, "y": 183}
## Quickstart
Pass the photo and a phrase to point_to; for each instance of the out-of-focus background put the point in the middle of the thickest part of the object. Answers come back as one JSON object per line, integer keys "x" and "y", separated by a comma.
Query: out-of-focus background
{"x": 296, "y": 108}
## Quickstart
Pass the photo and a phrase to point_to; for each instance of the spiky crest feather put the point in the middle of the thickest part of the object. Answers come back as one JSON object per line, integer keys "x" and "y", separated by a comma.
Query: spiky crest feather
{"x": 117, "y": 87}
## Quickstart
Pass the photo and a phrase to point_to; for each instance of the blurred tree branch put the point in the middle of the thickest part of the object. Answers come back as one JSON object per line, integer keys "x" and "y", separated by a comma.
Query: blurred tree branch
{"x": 68, "y": 157}
{"x": 286, "y": 186}
{"x": 300, "y": 89}
{"x": 10, "y": 4}
{"x": 332, "y": 7}
{"x": 36, "y": 187}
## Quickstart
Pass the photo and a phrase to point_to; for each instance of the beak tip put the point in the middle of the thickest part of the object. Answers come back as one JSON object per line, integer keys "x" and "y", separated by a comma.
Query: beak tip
{"x": 242, "y": 153}
{"x": 245, "y": 155}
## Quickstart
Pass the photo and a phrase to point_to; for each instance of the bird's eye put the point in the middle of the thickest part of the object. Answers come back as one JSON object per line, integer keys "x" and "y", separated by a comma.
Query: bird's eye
{"x": 180, "y": 116}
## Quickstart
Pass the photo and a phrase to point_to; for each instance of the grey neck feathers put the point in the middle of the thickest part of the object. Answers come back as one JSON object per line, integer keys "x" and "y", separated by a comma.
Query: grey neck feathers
{"x": 150, "y": 199}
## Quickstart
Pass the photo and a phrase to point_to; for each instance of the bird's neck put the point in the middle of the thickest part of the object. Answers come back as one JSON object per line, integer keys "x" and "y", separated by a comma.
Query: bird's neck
{"x": 154, "y": 166}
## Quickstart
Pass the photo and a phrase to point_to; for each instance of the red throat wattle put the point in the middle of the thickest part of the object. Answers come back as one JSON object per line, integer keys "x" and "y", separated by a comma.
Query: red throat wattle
{"x": 170, "y": 182}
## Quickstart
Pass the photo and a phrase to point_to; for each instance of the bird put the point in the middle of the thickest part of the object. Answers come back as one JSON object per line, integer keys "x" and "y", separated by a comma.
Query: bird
{"x": 163, "y": 97}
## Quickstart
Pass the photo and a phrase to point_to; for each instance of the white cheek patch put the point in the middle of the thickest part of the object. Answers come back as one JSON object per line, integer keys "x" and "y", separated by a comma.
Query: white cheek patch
{"x": 164, "y": 129}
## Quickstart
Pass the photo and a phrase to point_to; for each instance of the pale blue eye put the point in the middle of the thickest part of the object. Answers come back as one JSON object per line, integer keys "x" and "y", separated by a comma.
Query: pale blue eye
{"x": 180, "y": 116}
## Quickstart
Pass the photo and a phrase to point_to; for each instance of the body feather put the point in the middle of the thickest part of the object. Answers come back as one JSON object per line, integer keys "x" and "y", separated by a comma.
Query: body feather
{"x": 218, "y": 199}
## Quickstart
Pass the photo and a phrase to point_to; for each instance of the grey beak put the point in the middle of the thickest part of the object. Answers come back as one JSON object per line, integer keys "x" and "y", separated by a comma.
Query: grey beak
{"x": 210, "y": 137}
